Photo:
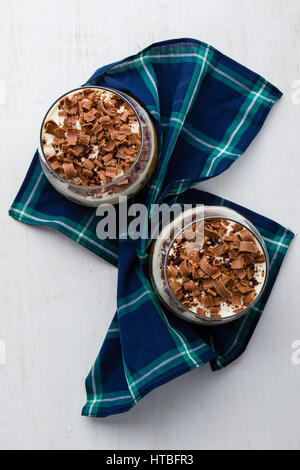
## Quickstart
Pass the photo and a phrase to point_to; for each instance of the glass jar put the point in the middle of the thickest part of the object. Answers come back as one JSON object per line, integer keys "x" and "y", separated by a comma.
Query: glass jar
{"x": 163, "y": 245}
{"x": 129, "y": 183}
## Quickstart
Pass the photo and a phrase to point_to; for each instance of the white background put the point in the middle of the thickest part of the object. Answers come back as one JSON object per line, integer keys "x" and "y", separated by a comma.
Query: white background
{"x": 57, "y": 299}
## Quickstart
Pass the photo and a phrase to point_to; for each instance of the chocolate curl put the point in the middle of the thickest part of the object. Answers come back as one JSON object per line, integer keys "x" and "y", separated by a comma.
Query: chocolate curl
{"x": 69, "y": 170}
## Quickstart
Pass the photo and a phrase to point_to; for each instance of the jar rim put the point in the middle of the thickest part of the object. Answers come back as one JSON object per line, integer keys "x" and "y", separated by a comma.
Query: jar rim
{"x": 188, "y": 314}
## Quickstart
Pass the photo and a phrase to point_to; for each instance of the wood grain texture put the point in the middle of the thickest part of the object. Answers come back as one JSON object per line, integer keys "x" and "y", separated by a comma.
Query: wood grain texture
{"x": 53, "y": 322}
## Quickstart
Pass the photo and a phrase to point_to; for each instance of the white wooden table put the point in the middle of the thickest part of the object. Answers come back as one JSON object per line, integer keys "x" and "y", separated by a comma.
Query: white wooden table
{"x": 53, "y": 322}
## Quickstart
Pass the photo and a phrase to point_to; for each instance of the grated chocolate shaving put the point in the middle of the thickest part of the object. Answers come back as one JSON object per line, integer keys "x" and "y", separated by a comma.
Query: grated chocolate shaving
{"x": 221, "y": 273}
{"x": 96, "y": 142}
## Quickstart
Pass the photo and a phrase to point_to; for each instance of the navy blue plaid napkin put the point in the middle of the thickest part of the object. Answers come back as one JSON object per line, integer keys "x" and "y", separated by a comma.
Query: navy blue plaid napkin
{"x": 207, "y": 109}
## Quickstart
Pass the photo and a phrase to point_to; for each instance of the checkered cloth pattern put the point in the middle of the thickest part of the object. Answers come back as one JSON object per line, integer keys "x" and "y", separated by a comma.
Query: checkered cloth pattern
{"x": 207, "y": 109}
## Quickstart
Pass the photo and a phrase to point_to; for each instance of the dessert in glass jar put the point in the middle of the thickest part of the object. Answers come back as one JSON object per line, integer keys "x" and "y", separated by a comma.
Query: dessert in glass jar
{"x": 97, "y": 144}
{"x": 210, "y": 265}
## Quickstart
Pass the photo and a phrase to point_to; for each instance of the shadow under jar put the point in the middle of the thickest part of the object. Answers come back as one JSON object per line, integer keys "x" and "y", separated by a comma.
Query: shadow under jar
{"x": 97, "y": 144}
{"x": 209, "y": 266}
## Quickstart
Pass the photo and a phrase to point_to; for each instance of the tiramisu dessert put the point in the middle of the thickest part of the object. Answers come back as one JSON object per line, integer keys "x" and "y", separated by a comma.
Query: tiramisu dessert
{"x": 96, "y": 145}
{"x": 214, "y": 276}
